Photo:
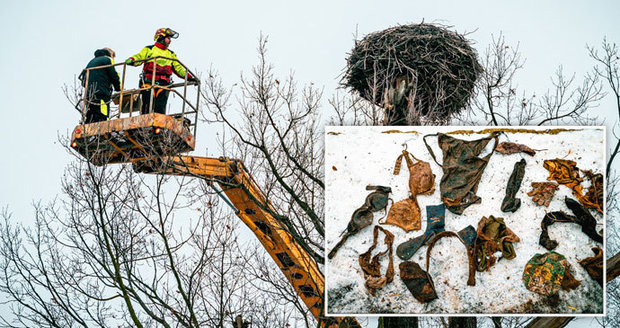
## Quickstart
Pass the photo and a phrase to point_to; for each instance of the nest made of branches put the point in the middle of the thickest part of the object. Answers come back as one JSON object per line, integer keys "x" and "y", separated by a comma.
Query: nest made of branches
{"x": 439, "y": 65}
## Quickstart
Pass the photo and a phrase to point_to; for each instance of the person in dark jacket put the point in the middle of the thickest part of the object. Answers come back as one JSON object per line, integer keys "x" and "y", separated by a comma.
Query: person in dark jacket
{"x": 100, "y": 84}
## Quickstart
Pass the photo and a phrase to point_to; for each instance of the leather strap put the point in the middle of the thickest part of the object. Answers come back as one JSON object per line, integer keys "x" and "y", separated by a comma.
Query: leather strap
{"x": 471, "y": 280}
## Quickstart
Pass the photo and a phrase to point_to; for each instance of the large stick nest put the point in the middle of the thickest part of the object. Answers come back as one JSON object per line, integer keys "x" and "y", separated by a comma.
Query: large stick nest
{"x": 439, "y": 65}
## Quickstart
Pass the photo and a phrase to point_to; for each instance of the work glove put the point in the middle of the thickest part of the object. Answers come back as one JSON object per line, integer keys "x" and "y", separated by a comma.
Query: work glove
{"x": 191, "y": 78}
{"x": 543, "y": 192}
{"x": 130, "y": 61}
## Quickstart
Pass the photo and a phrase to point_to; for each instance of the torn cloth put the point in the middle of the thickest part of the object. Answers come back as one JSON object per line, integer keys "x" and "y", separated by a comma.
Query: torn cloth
{"x": 594, "y": 265}
{"x": 462, "y": 169}
{"x": 493, "y": 236}
{"x": 566, "y": 172}
{"x": 547, "y": 273}
{"x": 418, "y": 281}
{"x": 581, "y": 217}
{"x": 372, "y": 268}
{"x": 508, "y": 148}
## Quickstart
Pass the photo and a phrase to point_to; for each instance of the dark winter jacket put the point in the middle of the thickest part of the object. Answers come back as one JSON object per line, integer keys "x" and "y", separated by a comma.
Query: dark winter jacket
{"x": 102, "y": 80}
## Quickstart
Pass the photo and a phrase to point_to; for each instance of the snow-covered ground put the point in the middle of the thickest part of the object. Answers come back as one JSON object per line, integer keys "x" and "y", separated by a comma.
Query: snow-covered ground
{"x": 360, "y": 156}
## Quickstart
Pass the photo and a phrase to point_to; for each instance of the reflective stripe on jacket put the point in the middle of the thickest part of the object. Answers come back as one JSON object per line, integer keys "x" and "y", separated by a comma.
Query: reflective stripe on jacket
{"x": 165, "y": 66}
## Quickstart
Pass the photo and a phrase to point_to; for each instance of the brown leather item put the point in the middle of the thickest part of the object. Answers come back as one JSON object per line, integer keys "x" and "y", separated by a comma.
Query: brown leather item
{"x": 471, "y": 280}
{"x": 372, "y": 268}
{"x": 406, "y": 213}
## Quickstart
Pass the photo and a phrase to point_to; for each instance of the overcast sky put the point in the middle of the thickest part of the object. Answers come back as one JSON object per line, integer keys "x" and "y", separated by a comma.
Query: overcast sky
{"x": 46, "y": 43}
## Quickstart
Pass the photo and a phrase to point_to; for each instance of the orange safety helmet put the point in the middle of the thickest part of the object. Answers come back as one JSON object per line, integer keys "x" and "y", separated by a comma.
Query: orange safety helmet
{"x": 164, "y": 32}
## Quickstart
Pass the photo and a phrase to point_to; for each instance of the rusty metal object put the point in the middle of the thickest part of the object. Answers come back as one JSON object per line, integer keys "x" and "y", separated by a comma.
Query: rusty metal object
{"x": 462, "y": 169}
{"x": 372, "y": 267}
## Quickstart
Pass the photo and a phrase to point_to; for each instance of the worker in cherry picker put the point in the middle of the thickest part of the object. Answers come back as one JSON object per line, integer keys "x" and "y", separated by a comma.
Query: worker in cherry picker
{"x": 163, "y": 72}
{"x": 100, "y": 83}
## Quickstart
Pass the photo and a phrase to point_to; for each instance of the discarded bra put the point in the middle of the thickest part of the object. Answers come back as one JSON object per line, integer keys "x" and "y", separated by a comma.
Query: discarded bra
{"x": 372, "y": 267}
{"x": 406, "y": 213}
{"x": 362, "y": 217}
{"x": 462, "y": 169}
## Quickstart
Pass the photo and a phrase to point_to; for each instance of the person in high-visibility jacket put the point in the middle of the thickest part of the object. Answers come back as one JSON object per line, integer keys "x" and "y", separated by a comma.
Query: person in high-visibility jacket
{"x": 163, "y": 71}
{"x": 100, "y": 83}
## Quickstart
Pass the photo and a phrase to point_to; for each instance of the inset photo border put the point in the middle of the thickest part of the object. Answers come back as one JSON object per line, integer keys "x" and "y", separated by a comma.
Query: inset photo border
{"x": 514, "y": 218}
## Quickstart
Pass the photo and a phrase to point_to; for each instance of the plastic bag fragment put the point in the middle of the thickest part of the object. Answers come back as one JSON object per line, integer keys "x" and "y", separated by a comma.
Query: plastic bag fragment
{"x": 510, "y": 203}
{"x": 543, "y": 192}
{"x": 372, "y": 267}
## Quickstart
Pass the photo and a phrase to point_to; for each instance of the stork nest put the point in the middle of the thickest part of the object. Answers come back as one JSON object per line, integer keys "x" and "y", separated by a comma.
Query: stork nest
{"x": 439, "y": 66}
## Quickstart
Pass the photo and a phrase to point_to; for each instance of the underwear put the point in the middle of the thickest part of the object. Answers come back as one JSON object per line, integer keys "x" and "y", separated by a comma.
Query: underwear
{"x": 547, "y": 273}
{"x": 435, "y": 223}
{"x": 371, "y": 267}
{"x": 510, "y": 203}
{"x": 493, "y": 236}
{"x": 543, "y": 192}
{"x": 362, "y": 217}
{"x": 594, "y": 265}
{"x": 462, "y": 169}
{"x": 406, "y": 213}
{"x": 566, "y": 172}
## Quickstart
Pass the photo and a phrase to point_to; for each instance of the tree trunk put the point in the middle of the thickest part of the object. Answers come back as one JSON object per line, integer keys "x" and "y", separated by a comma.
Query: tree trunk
{"x": 549, "y": 322}
{"x": 462, "y": 322}
{"x": 398, "y": 322}
{"x": 613, "y": 267}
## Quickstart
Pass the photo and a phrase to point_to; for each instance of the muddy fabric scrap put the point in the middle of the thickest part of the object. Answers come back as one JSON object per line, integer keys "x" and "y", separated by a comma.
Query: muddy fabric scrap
{"x": 581, "y": 217}
{"x": 372, "y": 267}
{"x": 362, "y": 217}
{"x": 462, "y": 169}
{"x": 508, "y": 148}
{"x": 566, "y": 172}
{"x": 493, "y": 236}
{"x": 406, "y": 213}
{"x": 510, "y": 202}
{"x": 435, "y": 223}
{"x": 418, "y": 281}
{"x": 547, "y": 273}
{"x": 466, "y": 236}
{"x": 594, "y": 265}
{"x": 543, "y": 192}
